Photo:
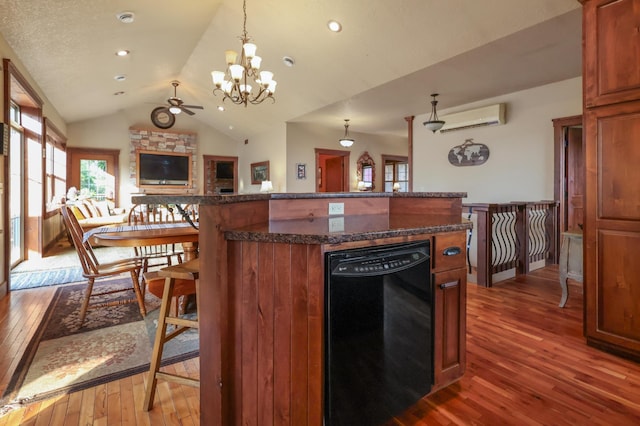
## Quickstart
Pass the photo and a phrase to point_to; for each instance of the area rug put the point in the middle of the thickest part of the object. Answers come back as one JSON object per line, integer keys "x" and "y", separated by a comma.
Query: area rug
{"x": 60, "y": 266}
{"x": 33, "y": 279}
{"x": 114, "y": 342}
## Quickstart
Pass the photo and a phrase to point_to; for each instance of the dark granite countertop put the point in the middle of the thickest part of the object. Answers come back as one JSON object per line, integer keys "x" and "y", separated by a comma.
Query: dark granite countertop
{"x": 327, "y": 230}
{"x": 341, "y": 229}
{"x": 239, "y": 198}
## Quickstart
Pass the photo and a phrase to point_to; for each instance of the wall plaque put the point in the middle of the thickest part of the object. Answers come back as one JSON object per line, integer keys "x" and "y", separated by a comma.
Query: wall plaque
{"x": 469, "y": 154}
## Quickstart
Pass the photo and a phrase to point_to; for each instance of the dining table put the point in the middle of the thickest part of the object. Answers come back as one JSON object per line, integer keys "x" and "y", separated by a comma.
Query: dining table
{"x": 147, "y": 235}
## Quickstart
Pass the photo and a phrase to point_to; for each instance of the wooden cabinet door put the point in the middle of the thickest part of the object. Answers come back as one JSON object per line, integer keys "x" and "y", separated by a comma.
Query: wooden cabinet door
{"x": 449, "y": 305}
{"x": 612, "y": 228}
{"x": 611, "y": 51}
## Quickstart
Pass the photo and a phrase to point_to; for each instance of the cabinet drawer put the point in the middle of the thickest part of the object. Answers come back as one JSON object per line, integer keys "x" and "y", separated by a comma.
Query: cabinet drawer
{"x": 449, "y": 251}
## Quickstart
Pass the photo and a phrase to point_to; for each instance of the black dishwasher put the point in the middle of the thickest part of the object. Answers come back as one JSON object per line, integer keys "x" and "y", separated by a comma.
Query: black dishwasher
{"x": 378, "y": 332}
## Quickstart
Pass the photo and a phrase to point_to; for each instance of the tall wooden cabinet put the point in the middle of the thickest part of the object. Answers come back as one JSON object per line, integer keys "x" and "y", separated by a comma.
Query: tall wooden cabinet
{"x": 611, "y": 78}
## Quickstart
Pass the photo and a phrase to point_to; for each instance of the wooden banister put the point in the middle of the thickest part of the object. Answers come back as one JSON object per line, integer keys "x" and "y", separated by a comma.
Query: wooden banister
{"x": 513, "y": 235}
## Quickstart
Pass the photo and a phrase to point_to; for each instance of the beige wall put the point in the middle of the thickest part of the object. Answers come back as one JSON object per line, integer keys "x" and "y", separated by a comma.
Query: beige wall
{"x": 520, "y": 164}
{"x": 302, "y": 139}
{"x": 268, "y": 147}
{"x": 112, "y": 132}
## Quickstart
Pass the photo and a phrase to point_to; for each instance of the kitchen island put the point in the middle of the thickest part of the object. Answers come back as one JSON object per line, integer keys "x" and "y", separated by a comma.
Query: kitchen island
{"x": 262, "y": 291}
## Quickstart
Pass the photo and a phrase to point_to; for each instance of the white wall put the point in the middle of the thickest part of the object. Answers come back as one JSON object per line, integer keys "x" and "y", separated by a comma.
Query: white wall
{"x": 302, "y": 139}
{"x": 520, "y": 164}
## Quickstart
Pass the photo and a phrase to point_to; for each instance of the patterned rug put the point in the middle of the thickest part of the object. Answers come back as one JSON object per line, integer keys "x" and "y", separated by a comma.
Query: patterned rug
{"x": 33, "y": 279}
{"x": 114, "y": 342}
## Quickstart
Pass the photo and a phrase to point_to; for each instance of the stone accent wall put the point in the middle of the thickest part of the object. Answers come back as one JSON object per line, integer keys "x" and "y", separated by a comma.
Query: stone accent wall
{"x": 162, "y": 141}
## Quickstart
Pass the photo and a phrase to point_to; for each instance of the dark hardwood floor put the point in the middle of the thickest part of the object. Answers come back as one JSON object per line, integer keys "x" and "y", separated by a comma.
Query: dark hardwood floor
{"x": 527, "y": 364}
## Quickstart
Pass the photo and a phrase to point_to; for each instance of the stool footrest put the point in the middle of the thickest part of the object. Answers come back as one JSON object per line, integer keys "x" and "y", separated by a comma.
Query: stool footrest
{"x": 182, "y": 322}
{"x": 183, "y": 271}
{"x": 178, "y": 379}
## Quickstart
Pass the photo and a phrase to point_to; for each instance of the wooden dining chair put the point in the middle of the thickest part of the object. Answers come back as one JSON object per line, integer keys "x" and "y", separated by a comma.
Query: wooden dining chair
{"x": 92, "y": 269}
{"x": 161, "y": 254}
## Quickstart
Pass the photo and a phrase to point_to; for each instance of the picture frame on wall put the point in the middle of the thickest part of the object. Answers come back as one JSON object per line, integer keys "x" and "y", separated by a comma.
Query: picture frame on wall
{"x": 301, "y": 171}
{"x": 259, "y": 172}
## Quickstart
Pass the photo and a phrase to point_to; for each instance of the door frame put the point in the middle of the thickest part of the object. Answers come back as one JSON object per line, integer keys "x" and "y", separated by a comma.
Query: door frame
{"x": 560, "y": 166}
{"x": 207, "y": 159}
{"x": 345, "y": 166}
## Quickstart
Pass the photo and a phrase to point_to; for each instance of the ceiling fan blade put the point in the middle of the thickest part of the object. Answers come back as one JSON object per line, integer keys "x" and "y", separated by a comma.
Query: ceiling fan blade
{"x": 193, "y": 106}
{"x": 186, "y": 110}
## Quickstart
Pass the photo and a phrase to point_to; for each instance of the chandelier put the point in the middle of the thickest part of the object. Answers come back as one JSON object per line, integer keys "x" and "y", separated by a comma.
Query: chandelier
{"x": 433, "y": 124}
{"x": 234, "y": 83}
{"x": 346, "y": 141}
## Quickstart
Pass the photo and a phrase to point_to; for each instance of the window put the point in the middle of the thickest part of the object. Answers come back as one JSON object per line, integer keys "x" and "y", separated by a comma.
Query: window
{"x": 93, "y": 172}
{"x": 55, "y": 183}
{"x": 94, "y": 179}
{"x": 396, "y": 172}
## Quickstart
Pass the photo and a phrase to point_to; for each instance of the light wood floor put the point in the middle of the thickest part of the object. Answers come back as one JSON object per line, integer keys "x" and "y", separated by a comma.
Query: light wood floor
{"x": 527, "y": 364}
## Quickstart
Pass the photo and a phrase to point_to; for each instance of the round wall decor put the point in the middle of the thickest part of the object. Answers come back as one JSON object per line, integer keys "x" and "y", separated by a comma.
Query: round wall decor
{"x": 163, "y": 118}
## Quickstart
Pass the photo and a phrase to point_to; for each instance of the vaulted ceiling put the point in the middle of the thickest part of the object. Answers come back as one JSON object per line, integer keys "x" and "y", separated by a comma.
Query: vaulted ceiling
{"x": 390, "y": 55}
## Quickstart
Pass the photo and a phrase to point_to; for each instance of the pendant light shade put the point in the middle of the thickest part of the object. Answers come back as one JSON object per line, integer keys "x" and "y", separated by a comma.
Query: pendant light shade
{"x": 433, "y": 124}
{"x": 346, "y": 141}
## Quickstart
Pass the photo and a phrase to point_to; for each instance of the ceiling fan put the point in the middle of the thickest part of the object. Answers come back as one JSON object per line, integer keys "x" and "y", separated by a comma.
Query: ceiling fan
{"x": 176, "y": 105}
{"x": 164, "y": 117}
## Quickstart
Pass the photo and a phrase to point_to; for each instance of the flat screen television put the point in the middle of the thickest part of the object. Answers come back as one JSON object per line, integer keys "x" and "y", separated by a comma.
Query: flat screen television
{"x": 224, "y": 170}
{"x": 156, "y": 168}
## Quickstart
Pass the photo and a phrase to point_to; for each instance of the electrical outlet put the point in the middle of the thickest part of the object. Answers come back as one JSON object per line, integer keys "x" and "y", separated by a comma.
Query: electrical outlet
{"x": 336, "y": 224}
{"x": 336, "y": 208}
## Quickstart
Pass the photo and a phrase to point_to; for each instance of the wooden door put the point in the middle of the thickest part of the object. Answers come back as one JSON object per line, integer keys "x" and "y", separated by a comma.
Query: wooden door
{"x": 575, "y": 179}
{"x": 562, "y": 150}
{"x": 334, "y": 172}
{"x": 612, "y": 228}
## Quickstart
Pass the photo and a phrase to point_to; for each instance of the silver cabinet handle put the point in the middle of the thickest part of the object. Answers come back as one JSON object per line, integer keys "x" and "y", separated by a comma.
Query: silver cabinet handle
{"x": 451, "y": 284}
{"x": 452, "y": 251}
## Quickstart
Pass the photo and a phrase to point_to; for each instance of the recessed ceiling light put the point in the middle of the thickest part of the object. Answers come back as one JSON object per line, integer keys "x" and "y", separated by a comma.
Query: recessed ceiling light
{"x": 230, "y": 127}
{"x": 220, "y": 108}
{"x": 288, "y": 61}
{"x": 118, "y": 93}
{"x": 120, "y": 77}
{"x": 122, "y": 52}
{"x": 334, "y": 26}
{"x": 125, "y": 17}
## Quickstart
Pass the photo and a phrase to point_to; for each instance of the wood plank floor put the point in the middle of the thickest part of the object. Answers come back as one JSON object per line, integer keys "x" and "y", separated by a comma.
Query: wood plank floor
{"x": 527, "y": 364}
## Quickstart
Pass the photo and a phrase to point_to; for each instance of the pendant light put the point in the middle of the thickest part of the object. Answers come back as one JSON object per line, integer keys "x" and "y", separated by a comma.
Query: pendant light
{"x": 346, "y": 141}
{"x": 433, "y": 124}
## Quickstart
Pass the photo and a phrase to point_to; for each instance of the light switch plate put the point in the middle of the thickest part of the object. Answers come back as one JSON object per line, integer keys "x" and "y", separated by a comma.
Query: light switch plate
{"x": 336, "y": 208}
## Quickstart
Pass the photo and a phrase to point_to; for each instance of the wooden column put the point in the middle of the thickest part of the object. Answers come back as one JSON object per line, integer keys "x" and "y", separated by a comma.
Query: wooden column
{"x": 410, "y": 147}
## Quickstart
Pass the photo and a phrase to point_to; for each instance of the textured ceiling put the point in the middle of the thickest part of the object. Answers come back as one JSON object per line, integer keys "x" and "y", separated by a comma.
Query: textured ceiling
{"x": 389, "y": 57}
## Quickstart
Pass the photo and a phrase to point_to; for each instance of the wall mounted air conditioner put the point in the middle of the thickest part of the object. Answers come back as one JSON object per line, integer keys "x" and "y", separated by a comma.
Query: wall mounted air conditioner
{"x": 485, "y": 116}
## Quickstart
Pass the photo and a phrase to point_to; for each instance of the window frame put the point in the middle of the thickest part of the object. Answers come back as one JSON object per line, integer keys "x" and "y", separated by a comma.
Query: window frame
{"x": 55, "y": 142}
{"x": 395, "y": 160}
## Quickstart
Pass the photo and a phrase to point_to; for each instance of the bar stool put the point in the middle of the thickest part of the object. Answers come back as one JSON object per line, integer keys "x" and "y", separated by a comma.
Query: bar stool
{"x": 179, "y": 280}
